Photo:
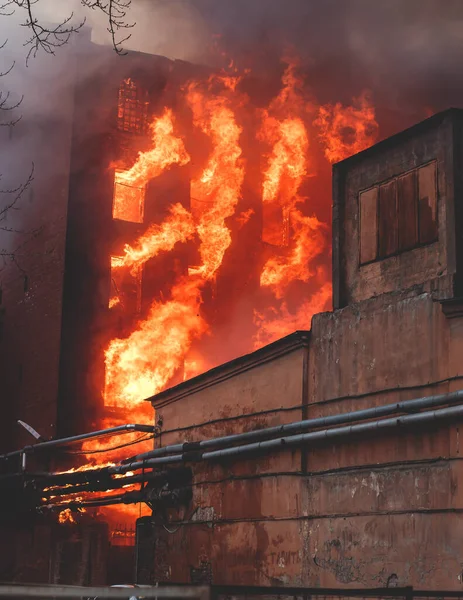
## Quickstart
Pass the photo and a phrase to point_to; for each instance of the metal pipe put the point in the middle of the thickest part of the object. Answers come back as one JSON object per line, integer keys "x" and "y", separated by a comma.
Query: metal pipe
{"x": 295, "y": 440}
{"x": 129, "y": 428}
{"x": 127, "y": 498}
{"x": 326, "y": 434}
{"x": 138, "y": 460}
{"x": 102, "y": 486}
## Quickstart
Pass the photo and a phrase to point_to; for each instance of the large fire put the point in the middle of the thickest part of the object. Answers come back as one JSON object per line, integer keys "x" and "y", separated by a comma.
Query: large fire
{"x": 164, "y": 337}
{"x": 219, "y": 186}
{"x": 289, "y": 132}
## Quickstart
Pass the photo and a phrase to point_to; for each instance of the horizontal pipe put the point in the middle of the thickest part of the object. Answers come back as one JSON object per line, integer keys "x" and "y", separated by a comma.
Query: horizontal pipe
{"x": 127, "y": 498}
{"x": 129, "y": 428}
{"x": 101, "y": 486}
{"x": 137, "y": 462}
{"x": 296, "y": 440}
{"x": 79, "y": 478}
{"x": 326, "y": 434}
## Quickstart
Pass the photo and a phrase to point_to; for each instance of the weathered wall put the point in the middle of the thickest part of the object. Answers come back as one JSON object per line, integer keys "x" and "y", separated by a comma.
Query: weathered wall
{"x": 354, "y": 512}
{"x": 268, "y": 385}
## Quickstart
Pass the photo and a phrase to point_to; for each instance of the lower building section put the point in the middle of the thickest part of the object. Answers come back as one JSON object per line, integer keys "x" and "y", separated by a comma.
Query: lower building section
{"x": 374, "y": 506}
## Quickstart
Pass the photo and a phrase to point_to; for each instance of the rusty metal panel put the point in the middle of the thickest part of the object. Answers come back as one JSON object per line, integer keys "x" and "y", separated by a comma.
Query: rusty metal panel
{"x": 368, "y": 201}
{"x": 427, "y": 203}
{"x": 388, "y": 230}
{"x": 407, "y": 206}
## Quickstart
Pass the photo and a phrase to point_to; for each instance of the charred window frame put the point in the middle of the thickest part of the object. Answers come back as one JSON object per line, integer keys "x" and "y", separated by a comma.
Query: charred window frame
{"x": 399, "y": 215}
{"x": 133, "y": 106}
{"x": 126, "y": 286}
{"x": 128, "y": 200}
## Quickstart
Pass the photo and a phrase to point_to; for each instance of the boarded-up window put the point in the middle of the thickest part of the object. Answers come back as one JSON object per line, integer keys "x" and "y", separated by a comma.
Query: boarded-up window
{"x": 129, "y": 201}
{"x": 388, "y": 234}
{"x": 407, "y": 211}
{"x": 125, "y": 286}
{"x": 427, "y": 203}
{"x": 399, "y": 215}
{"x": 368, "y": 225}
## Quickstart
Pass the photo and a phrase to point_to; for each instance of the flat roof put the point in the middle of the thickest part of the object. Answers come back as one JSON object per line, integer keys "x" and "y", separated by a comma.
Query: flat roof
{"x": 401, "y": 136}
{"x": 289, "y": 343}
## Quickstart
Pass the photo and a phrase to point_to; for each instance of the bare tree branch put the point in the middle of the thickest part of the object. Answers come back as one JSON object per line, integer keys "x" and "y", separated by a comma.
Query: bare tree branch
{"x": 5, "y": 104}
{"x": 49, "y": 38}
{"x": 116, "y": 12}
{"x": 14, "y": 196}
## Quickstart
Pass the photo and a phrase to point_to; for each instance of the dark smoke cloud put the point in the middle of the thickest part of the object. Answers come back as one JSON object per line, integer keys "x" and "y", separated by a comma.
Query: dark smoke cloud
{"x": 406, "y": 51}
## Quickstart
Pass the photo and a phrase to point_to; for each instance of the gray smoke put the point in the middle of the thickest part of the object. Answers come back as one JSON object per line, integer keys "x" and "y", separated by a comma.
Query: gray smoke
{"x": 408, "y": 53}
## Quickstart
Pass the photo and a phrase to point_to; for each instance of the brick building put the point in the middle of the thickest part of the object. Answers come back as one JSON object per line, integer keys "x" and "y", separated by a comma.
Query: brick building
{"x": 54, "y": 299}
{"x": 365, "y": 510}
{"x": 55, "y": 316}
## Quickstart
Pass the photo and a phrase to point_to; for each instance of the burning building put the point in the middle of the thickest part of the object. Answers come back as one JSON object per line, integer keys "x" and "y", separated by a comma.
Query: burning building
{"x": 186, "y": 251}
{"x": 179, "y": 217}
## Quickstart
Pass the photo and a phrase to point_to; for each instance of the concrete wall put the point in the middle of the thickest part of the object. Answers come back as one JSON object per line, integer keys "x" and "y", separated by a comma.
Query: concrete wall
{"x": 355, "y": 512}
{"x": 231, "y": 536}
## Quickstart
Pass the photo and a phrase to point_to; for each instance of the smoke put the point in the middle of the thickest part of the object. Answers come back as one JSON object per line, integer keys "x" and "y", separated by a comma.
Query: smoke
{"x": 399, "y": 50}
{"x": 407, "y": 53}
{"x": 402, "y": 51}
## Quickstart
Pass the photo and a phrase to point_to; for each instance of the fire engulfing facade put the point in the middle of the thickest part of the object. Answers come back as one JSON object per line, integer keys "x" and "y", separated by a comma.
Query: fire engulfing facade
{"x": 183, "y": 234}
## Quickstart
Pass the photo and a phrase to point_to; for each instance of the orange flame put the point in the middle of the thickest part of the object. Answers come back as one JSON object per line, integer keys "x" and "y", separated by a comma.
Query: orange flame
{"x": 287, "y": 168}
{"x": 140, "y": 366}
{"x": 178, "y": 227}
{"x": 283, "y": 128}
{"x": 287, "y": 164}
{"x": 244, "y": 217}
{"x": 346, "y": 130}
{"x": 114, "y": 301}
{"x": 66, "y": 516}
{"x": 87, "y": 468}
{"x": 219, "y": 186}
{"x": 275, "y": 323}
{"x": 167, "y": 150}
{"x": 309, "y": 242}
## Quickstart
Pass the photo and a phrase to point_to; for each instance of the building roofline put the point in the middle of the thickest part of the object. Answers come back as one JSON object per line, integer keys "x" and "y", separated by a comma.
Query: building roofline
{"x": 398, "y": 138}
{"x": 285, "y": 345}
